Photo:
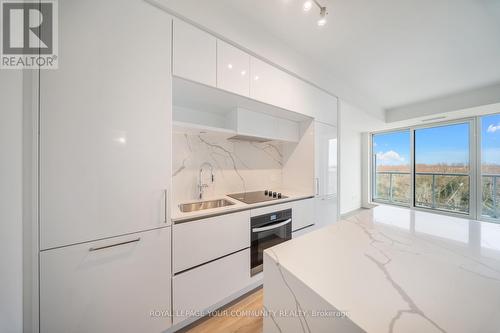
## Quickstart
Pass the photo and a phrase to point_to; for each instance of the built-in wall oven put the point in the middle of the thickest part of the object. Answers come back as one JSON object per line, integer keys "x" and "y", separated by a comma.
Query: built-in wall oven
{"x": 266, "y": 231}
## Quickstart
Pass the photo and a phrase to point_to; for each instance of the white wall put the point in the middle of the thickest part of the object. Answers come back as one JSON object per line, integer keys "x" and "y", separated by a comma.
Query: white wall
{"x": 353, "y": 122}
{"x": 11, "y": 276}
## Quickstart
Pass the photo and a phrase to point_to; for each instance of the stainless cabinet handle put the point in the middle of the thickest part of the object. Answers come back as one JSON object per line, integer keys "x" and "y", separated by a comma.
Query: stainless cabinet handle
{"x": 317, "y": 186}
{"x": 113, "y": 245}
{"x": 270, "y": 227}
{"x": 165, "y": 212}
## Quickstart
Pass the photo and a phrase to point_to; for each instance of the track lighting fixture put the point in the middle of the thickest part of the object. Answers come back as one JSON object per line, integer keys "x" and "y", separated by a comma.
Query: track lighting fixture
{"x": 322, "y": 11}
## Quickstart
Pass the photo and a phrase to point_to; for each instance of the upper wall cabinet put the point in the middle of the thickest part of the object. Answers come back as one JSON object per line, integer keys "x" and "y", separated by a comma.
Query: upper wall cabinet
{"x": 104, "y": 124}
{"x": 194, "y": 54}
{"x": 270, "y": 85}
{"x": 259, "y": 125}
{"x": 323, "y": 107}
{"x": 200, "y": 57}
{"x": 274, "y": 86}
{"x": 233, "y": 69}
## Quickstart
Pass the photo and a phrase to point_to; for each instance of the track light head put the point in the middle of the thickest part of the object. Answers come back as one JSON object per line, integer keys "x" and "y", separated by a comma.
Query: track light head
{"x": 322, "y": 19}
{"x": 307, "y": 6}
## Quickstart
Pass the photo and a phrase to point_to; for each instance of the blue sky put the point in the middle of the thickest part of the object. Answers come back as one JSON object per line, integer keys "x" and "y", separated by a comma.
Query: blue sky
{"x": 444, "y": 144}
{"x": 392, "y": 148}
{"x": 490, "y": 139}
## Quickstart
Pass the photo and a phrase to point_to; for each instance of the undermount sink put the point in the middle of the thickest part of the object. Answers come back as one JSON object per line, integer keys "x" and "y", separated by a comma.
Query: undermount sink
{"x": 194, "y": 206}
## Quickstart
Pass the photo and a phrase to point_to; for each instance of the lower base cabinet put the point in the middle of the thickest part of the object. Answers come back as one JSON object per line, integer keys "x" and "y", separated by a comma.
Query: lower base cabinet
{"x": 303, "y": 231}
{"x": 326, "y": 210}
{"x": 202, "y": 287}
{"x": 303, "y": 214}
{"x": 120, "y": 284}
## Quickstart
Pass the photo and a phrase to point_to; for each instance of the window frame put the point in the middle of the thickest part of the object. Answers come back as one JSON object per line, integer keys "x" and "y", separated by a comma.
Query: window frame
{"x": 479, "y": 176}
{"x": 475, "y": 198}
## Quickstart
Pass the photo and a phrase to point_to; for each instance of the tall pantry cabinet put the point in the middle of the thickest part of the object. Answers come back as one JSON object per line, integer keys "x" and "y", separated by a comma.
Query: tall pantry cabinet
{"x": 104, "y": 170}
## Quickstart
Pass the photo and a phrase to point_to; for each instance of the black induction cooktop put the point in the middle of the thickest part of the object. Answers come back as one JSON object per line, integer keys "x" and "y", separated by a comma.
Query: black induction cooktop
{"x": 257, "y": 196}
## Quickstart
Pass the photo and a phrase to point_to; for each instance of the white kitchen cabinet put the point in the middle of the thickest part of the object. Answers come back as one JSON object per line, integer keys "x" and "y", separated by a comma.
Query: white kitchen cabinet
{"x": 325, "y": 161}
{"x": 326, "y": 210}
{"x": 270, "y": 85}
{"x": 303, "y": 231}
{"x": 303, "y": 214}
{"x": 325, "y": 156}
{"x": 111, "y": 285}
{"x": 261, "y": 125}
{"x": 233, "y": 69}
{"x": 207, "y": 285}
{"x": 211, "y": 238}
{"x": 276, "y": 87}
{"x": 318, "y": 104}
{"x": 105, "y": 123}
{"x": 194, "y": 54}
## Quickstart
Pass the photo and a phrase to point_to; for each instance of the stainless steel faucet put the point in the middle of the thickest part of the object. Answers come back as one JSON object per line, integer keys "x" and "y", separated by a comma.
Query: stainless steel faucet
{"x": 201, "y": 185}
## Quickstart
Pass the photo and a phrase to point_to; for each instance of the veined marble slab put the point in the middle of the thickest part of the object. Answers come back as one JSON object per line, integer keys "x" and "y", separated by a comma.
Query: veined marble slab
{"x": 388, "y": 269}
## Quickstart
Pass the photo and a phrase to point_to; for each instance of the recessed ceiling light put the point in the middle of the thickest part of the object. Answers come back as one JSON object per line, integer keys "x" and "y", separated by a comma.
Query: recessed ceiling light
{"x": 230, "y": 66}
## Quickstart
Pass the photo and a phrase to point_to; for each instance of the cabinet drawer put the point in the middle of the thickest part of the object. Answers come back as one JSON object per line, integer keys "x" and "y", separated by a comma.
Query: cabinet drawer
{"x": 271, "y": 209}
{"x": 207, "y": 285}
{"x": 303, "y": 231}
{"x": 197, "y": 242}
{"x": 303, "y": 213}
{"x": 96, "y": 287}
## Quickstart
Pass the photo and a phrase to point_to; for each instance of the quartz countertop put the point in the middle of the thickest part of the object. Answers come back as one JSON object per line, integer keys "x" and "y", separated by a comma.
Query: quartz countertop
{"x": 178, "y": 216}
{"x": 400, "y": 270}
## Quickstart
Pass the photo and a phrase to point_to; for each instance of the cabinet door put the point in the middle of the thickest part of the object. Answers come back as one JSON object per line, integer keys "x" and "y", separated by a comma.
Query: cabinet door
{"x": 270, "y": 85}
{"x": 303, "y": 231}
{"x": 100, "y": 288}
{"x": 105, "y": 123}
{"x": 194, "y": 54}
{"x": 325, "y": 159}
{"x": 318, "y": 104}
{"x": 211, "y": 239}
{"x": 325, "y": 210}
{"x": 262, "y": 125}
{"x": 233, "y": 69}
{"x": 303, "y": 214}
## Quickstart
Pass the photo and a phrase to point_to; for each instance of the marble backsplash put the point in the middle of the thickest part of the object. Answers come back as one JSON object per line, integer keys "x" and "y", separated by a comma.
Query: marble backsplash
{"x": 238, "y": 166}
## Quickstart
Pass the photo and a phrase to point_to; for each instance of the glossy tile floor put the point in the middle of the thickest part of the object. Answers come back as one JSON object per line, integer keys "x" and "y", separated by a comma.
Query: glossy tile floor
{"x": 237, "y": 322}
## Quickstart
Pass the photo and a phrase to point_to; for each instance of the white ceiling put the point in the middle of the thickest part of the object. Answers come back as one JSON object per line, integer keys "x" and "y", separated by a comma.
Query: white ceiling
{"x": 396, "y": 51}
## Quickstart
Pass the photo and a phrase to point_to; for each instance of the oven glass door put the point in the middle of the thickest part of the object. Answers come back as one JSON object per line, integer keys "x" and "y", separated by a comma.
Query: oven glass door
{"x": 264, "y": 237}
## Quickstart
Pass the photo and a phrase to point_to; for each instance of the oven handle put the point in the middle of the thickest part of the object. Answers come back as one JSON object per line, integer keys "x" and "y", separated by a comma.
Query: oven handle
{"x": 270, "y": 227}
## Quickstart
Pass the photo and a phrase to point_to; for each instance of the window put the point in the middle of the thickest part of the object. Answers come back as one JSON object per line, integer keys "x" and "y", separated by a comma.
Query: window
{"x": 490, "y": 166}
{"x": 391, "y": 162}
{"x": 452, "y": 167}
{"x": 442, "y": 168}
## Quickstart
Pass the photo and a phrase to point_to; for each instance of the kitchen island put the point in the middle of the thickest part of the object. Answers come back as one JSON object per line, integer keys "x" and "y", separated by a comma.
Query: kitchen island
{"x": 386, "y": 269}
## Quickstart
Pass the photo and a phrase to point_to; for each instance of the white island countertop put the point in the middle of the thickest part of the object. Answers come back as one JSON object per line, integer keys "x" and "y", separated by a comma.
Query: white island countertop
{"x": 390, "y": 270}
